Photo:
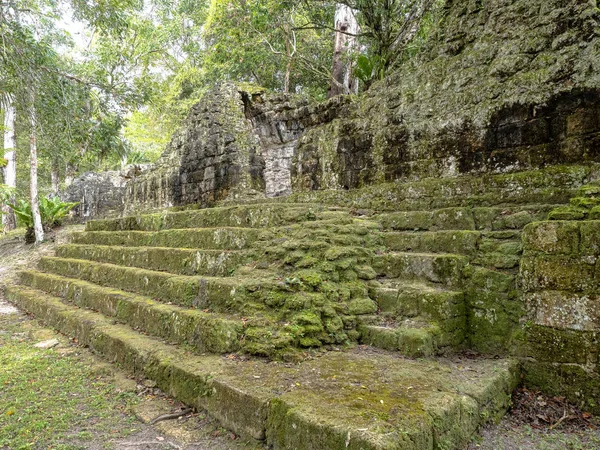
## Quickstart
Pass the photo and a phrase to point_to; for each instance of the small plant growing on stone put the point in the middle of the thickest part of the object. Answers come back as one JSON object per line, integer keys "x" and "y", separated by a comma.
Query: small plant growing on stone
{"x": 310, "y": 215}
{"x": 292, "y": 282}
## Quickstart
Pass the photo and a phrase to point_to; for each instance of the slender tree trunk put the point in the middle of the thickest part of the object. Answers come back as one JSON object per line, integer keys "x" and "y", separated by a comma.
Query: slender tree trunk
{"x": 70, "y": 174}
{"x": 345, "y": 43}
{"x": 55, "y": 177}
{"x": 10, "y": 171}
{"x": 35, "y": 206}
{"x": 288, "y": 68}
{"x": 286, "y": 81}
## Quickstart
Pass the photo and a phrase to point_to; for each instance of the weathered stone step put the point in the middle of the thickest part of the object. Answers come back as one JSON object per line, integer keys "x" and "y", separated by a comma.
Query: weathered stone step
{"x": 465, "y": 218}
{"x": 552, "y": 185}
{"x": 206, "y": 332}
{"x": 204, "y": 238}
{"x": 412, "y": 299}
{"x": 411, "y": 337}
{"x": 217, "y": 294}
{"x": 437, "y": 268}
{"x": 360, "y": 399}
{"x": 245, "y": 216}
{"x": 217, "y": 263}
{"x": 497, "y": 249}
{"x": 459, "y": 242}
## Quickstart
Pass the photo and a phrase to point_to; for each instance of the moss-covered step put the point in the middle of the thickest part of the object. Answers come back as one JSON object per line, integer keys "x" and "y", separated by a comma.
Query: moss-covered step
{"x": 244, "y": 216}
{"x": 552, "y": 185}
{"x": 397, "y": 299}
{"x": 499, "y": 250}
{"x": 217, "y": 294}
{"x": 461, "y": 242}
{"x": 205, "y": 332}
{"x": 204, "y": 238}
{"x": 437, "y": 268}
{"x": 354, "y": 232}
{"x": 216, "y": 263}
{"x": 465, "y": 218}
{"x": 413, "y": 338}
{"x": 363, "y": 399}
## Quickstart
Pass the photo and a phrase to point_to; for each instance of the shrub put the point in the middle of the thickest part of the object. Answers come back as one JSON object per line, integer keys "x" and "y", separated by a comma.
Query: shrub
{"x": 52, "y": 211}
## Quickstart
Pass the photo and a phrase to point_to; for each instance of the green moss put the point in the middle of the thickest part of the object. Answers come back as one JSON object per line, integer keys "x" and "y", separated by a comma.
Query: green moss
{"x": 557, "y": 272}
{"x": 595, "y": 213}
{"x": 584, "y": 202}
{"x": 360, "y": 306}
{"x": 567, "y": 213}
{"x": 575, "y": 383}
{"x": 556, "y": 237}
{"x": 311, "y": 278}
{"x": 590, "y": 238}
{"x": 547, "y": 344}
{"x": 589, "y": 191}
{"x": 306, "y": 262}
{"x": 412, "y": 342}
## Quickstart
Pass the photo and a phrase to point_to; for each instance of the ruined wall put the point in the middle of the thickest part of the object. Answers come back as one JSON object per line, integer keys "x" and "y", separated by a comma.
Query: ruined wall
{"x": 212, "y": 154}
{"x": 504, "y": 85}
{"x": 99, "y": 194}
{"x": 237, "y": 143}
{"x": 560, "y": 286}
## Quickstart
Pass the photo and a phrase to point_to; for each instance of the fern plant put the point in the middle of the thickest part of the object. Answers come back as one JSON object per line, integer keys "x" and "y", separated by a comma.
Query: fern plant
{"x": 369, "y": 69}
{"x": 52, "y": 212}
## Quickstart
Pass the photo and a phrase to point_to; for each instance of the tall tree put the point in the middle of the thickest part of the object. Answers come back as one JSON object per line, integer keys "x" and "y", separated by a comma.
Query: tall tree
{"x": 10, "y": 155}
{"x": 346, "y": 32}
{"x": 389, "y": 25}
{"x": 33, "y": 164}
{"x": 266, "y": 42}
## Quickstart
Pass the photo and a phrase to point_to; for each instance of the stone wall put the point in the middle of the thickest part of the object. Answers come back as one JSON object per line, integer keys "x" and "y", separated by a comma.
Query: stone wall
{"x": 237, "y": 143}
{"x": 99, "y": 194}
{"x": 503, "y": 85}
{"x": 211, "y": 155}
{"x": 560, "y": 287}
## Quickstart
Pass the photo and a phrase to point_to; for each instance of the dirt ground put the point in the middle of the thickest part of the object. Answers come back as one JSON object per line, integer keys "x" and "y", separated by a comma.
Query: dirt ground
{"x": 535, "y": 422}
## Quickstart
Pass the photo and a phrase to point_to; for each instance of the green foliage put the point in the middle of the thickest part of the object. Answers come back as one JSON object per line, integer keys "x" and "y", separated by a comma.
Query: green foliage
{"x": 369, "y": 68}
{"x": 55, "y": 400}
{"x": 391, "y": 31}
{"x": 52, "y": 211}
{"x": 147, "y": 137}
{"x": 6, "y": 192}
{"x": 265, "y": 42}
{"x": 22, "y": 210}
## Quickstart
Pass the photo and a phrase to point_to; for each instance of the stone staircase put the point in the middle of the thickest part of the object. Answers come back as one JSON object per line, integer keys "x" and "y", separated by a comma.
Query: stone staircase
{"x": 253, "y": 312}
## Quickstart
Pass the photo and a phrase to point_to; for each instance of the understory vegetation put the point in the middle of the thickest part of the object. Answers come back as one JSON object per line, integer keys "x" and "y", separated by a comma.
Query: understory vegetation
{"x": 52, "y": 399}
{"x": 89, "y": 86}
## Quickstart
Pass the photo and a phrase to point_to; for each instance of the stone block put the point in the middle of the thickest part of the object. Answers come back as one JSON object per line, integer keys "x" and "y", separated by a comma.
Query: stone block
{"x": 590, "y": 238}
{"x": 582, "y": 121}
{"x": 564, "y": 310}
{"x": 454, "y": 219}
{"x": 547, "y": 344}
{"x": 557, "y": 273}
{"x": 556, "y": 237}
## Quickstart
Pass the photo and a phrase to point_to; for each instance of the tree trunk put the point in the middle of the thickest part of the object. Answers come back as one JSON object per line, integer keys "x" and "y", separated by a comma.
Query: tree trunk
{"x": 286, "y": 81}
{"x": 10, "y": 171}
{"x": 35, "y": 206}
{"x": 55, "y": 177}
{"x": 70, "y": 174}
{"x": 345, "y": 42}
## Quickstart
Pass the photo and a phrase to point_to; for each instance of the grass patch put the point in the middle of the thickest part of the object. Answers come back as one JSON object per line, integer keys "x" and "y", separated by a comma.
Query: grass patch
{"x": 53, "y": 400}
